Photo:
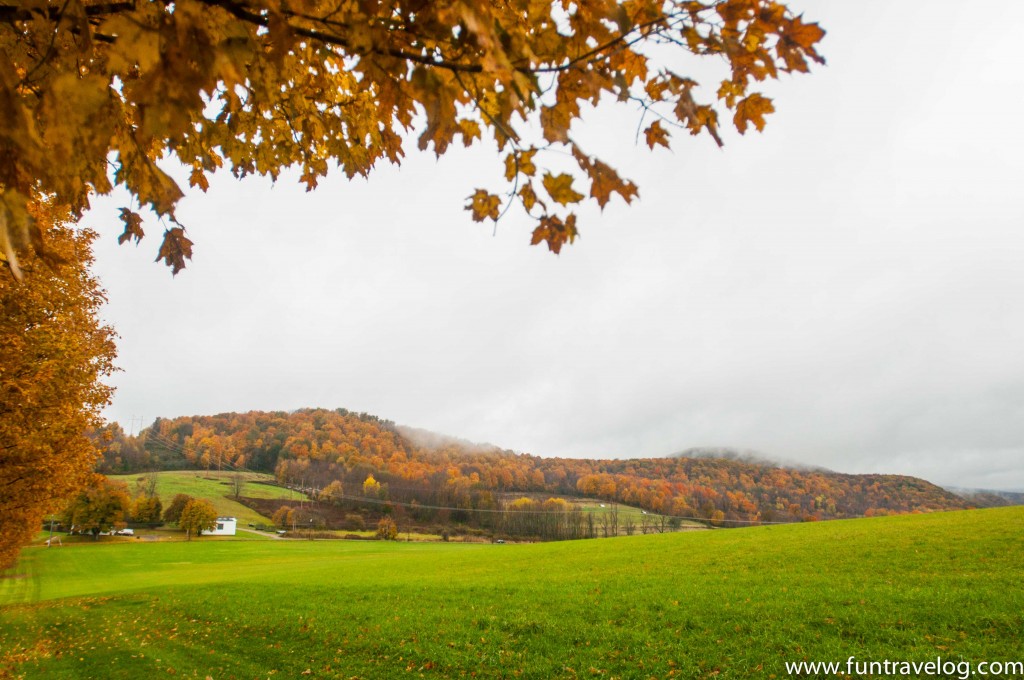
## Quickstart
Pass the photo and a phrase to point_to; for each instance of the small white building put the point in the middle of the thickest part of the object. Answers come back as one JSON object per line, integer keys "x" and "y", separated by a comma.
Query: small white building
{"x": 225, "y": 527}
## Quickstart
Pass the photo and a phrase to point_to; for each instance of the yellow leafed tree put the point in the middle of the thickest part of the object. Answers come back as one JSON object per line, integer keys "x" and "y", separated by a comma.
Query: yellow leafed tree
{"x": 197, "y": 516}
{"x": 54, "y": 355}
{"x": 97, "y": 93}
{"x": 103, "y": 505}
{"x": 371, "y": 487}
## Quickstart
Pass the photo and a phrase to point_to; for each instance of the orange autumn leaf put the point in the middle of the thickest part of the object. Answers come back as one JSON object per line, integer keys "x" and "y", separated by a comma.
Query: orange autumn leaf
{"x": 529, "y": 197}
{"x": 803, "y": 35}
{"x": 132, "y": 226}
{"x": 559, "y": 188}
{"x": 555, "y": 232}
{"x": 752, "y": 110}
{"x": 484, "y": 205}
{"x": 655, "y": 135}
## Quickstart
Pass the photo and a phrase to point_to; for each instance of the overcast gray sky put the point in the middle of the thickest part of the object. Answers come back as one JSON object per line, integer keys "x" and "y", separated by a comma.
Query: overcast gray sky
{"x": 842, "y": 290}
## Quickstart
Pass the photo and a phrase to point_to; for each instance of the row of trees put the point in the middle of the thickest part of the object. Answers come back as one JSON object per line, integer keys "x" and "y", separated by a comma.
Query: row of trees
{"x": 551, "y": 520}
{"x": 303, "y": 518}
{"x": 105, "y": 505}
{"x": 525, "y": 517}
{"x": 557, "y": 519}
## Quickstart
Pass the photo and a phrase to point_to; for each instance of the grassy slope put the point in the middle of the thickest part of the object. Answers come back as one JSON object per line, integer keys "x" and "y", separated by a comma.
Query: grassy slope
{"x": 737, "y": 602}
{"x": 625, "y": 511}
{"x": 215, "y": 486}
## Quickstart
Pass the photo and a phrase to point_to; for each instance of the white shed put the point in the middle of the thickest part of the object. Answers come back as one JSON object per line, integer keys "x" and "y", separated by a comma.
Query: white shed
{"x": 225, "y": 527}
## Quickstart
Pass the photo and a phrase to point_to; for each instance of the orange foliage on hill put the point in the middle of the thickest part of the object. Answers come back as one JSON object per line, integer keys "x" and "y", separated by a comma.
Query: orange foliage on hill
{"x": 317, "y": 448}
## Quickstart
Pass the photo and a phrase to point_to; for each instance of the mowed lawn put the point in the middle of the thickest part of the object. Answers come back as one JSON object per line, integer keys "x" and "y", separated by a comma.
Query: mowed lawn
{"x": 724, "y": 603}
{"x": 215, "y": 486}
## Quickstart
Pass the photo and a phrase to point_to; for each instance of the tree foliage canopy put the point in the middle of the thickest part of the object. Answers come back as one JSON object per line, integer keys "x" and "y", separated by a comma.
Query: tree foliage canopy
{"x": 101, "y": 506}
{"x": 197, "y": 516}
{"x": 95, "y": 93}
{"x": 54, "y": 355}
{"x": 387, "y": 530}
{"x": 173, "y": 512}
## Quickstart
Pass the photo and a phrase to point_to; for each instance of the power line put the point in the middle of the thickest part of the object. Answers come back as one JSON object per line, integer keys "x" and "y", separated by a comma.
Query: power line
{"x": 421, "y": 506}
{"x": 131, "y": 424}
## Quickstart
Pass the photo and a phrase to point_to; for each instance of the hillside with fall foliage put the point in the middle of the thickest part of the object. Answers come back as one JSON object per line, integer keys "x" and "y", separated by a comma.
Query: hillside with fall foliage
{"x": 319, "y": 449}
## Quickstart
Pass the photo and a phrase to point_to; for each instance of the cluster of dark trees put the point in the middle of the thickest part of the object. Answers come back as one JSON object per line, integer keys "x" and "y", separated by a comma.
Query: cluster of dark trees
{"x": 558, "y": 519}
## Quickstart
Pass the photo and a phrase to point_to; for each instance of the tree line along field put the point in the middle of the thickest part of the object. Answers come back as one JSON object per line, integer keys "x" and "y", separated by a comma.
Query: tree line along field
{"x": 736, "y": 603}
{"x": 261, "y": 498}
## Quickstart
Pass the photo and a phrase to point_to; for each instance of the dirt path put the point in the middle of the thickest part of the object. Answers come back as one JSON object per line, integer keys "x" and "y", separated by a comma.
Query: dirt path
{"x": 259, "y": 533}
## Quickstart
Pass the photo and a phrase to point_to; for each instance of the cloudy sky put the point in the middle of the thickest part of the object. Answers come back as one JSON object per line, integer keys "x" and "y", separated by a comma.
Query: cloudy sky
{"x": 843, "y": 290}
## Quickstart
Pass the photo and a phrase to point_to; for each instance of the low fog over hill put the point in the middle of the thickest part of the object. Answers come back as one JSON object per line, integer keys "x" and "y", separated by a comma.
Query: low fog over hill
{"x": 745, "y": 456}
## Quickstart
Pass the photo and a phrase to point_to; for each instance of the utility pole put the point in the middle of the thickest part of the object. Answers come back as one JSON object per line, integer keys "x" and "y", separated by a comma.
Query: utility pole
{"x": 131, "y": 424}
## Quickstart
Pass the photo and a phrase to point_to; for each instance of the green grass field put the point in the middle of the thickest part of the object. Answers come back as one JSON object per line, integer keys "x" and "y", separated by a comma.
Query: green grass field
{"x": 216, "y": 487}
{"x": 728, "y": 603}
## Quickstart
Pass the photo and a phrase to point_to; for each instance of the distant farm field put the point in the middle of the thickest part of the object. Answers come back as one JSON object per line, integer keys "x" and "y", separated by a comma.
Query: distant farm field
{"x": 727, "y": 603}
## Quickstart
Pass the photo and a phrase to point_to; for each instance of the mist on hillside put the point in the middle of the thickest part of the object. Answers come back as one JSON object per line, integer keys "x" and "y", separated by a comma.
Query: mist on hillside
{"x": 745, "y": 456}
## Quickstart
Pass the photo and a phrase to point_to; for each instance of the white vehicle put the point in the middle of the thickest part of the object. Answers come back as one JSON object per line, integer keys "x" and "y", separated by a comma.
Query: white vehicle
{"x": 125, "y": 532}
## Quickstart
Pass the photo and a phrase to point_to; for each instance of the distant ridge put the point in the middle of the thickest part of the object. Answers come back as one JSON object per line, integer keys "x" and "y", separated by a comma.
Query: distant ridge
{"x": 438, "y": 475}
{"x": 988, "y": 498}
{"x": 745, "y": 456}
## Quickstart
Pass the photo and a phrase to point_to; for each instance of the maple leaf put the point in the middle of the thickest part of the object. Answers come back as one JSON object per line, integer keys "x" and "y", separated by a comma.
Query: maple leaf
{"x": 470, "y": 130}
{"x": 520, "y": 162}
{"x": 555, "y": 121}
{"x": 153, "y": 186}
{"x": 132, "y": 226}
{"x": 797, "y": 39}
{"x": 655, "y": 134}
{"x": 752, "y": 110}
{"x": 803, "y": 35}
{"x": 729, "y": 90}
{"x": 511, "y": 166}
{"x": 604, "y": 181}
{"x": 198, "y": 178}
{"x": 632, "y": 65}
{"x": 175, "y": 249}
{"x": 526, "y": 165}
{"x": 559, "y": 188}
{"x": 556, "y": 233}
{"x": 529, "y": 197}
{"x": 484, "y": 205}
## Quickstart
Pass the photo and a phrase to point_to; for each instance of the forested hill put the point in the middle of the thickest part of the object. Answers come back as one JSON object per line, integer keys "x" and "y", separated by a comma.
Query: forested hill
{"x": 317, "y": 447}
